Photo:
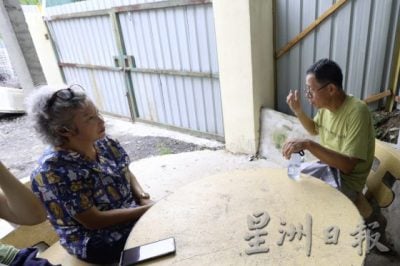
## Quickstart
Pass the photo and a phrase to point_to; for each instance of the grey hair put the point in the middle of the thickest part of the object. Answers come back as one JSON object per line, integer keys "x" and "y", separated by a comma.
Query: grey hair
{"x": 48, "y": 120}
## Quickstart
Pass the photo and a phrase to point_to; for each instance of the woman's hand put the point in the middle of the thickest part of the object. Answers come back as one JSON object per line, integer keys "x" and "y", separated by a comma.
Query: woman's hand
{"x": 93, "y": 218}
{"x": 144, "y": 202}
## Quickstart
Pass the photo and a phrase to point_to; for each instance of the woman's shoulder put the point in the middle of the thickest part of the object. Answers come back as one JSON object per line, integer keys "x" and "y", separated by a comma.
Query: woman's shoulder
{"x": 53, "y": 160}
{"x": 49, "y": 157}
{"x": 52, "y": 156}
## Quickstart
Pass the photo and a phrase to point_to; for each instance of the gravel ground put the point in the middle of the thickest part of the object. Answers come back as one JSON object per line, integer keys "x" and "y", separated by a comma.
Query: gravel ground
{"x": 20, "y": 147}
{"x": 387, "y": 125}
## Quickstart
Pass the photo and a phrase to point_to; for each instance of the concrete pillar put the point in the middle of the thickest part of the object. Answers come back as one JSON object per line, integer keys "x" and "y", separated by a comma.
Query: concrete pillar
{"x": 42, "y": 43}
{"x": 244, "y": 32}
{"x": 20, "y": 48}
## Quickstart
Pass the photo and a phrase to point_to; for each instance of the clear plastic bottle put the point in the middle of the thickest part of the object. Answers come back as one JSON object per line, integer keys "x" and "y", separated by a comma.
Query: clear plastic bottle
{"x": 294, "y": 166}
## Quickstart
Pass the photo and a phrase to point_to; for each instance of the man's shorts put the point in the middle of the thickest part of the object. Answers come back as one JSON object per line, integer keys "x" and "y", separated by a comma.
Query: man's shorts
{"x": 329, "y": 175}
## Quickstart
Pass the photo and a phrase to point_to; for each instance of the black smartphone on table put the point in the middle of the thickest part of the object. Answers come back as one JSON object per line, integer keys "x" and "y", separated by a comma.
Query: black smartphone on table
{"x": 147, "y": 251}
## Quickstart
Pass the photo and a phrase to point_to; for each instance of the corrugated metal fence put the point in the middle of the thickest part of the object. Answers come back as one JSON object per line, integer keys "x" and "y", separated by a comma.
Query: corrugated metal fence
{"x": 153, "y": 61}
{"x": 359, "y": 36}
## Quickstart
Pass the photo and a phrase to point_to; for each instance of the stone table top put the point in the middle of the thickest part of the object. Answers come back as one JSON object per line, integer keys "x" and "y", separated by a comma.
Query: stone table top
{"x": 224, "y": 219}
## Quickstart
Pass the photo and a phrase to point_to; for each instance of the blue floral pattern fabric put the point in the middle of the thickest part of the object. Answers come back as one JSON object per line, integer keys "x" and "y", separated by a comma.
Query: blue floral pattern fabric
{"x": 68, "y": 183}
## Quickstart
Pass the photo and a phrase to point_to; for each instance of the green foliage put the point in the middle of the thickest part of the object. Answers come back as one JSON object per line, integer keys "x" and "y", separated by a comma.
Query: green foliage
{"x": 29, "y": 2}
{"x": 163, "y": 150}
{"x": 279, "y": 137}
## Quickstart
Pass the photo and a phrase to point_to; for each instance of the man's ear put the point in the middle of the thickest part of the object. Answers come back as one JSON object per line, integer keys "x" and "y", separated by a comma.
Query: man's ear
{"x": 332, "y": 88}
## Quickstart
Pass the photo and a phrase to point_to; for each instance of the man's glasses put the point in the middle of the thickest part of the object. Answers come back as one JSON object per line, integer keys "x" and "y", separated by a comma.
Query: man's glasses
{"x": 309, "y": 93}
{"x": 64, "y": 94}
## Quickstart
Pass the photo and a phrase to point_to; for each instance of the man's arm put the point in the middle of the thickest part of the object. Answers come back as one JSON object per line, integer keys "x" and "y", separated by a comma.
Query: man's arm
{"x": 332, "y": 158}
{"x": 293, "y": 100}
{"x": 307, "y": 123}
{"x": 18, "y": 204}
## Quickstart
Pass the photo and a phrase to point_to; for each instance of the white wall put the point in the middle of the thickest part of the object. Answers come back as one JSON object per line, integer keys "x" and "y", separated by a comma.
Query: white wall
{"x": 42, "y": 44}
{"x": 244, "y": 32}
{"x": 14, "y": 50}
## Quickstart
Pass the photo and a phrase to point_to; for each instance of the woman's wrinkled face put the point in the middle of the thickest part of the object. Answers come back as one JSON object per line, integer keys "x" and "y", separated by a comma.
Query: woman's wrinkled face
{"x": 88, "y": 124}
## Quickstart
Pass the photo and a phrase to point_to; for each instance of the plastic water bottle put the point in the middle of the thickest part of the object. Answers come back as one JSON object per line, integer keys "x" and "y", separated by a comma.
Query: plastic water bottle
{"x": 294, "y": 166}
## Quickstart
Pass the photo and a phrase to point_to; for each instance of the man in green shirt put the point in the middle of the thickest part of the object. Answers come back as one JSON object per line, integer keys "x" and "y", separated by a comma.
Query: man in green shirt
{"x": 347, "y": 139}
{"x": 344, "y": 125}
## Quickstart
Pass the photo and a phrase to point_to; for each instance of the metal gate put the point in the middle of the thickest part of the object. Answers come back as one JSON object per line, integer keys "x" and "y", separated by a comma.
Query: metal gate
{"x": 154, "y": 62}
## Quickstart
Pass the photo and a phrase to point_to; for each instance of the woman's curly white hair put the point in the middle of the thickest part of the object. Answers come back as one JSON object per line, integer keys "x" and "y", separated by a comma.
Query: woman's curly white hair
{"x": 48, "y": 120}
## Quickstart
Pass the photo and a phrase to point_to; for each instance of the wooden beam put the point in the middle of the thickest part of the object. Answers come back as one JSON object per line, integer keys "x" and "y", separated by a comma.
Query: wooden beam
{"x": 376, "y": 97}
{"x": 310, "y": 27}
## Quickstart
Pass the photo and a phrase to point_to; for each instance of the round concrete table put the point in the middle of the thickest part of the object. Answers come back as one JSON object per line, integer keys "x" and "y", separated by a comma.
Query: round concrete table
{"x": 223, "y": 220}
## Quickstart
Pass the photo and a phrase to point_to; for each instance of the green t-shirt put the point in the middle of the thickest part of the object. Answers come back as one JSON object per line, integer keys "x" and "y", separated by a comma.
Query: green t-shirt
{"x": 349, "y": 131}
{"x": 7, "y": 253}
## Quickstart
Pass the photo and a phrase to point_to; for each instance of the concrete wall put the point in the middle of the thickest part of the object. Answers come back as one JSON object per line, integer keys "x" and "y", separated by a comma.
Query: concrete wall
{"x": 244, "y": 32}
{"x": 19, "y": 45}
{"x": 42, "y": 44}
{"x": 13, "y": 49}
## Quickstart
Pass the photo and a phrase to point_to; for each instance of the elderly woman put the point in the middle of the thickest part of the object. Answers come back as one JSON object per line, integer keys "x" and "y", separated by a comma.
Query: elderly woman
{"x": 91, "y": 198}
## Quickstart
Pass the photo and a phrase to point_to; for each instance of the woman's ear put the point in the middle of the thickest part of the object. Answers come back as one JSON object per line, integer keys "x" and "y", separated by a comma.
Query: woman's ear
{"x": 64, "y": 131}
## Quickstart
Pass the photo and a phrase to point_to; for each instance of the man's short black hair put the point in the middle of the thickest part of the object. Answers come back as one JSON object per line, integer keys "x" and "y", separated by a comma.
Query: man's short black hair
{"x": 327, "y": 71}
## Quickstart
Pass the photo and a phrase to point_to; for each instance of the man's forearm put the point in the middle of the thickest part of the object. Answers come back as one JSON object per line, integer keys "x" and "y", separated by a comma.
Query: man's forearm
{"x": 307, "y": 123}
{"x": 332, "y": 158}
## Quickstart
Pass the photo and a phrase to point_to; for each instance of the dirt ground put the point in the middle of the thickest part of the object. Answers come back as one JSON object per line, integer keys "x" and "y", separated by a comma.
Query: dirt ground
{"x": 20, "y": 147}
{"x": 387, "y": 125}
